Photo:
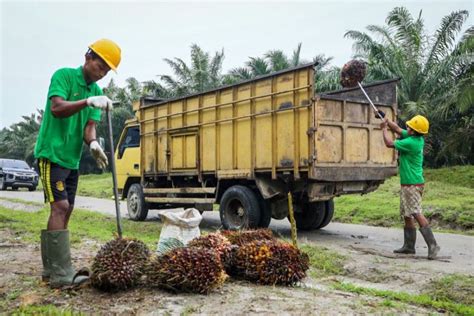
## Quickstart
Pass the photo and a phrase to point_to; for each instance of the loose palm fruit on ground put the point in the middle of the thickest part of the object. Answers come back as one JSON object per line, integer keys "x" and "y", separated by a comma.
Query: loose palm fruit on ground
{"x": 352, "y": 72}
{"x": 242, "y": 237}
{"x": 187, "y": 269}
{"x": 119, "y": 264}
{"x": 270, "y": 262}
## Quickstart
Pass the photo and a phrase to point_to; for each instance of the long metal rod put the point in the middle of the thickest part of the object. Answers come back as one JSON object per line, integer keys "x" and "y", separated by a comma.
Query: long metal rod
{"x": 114, "y": 174}
{"x": 370, "y": 101}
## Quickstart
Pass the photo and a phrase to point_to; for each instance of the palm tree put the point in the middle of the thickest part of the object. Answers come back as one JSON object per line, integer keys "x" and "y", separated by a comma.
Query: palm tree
{"x": 436, "y": 74}
{"x": 18, "y": 141}
{"x": 202, "y": 74}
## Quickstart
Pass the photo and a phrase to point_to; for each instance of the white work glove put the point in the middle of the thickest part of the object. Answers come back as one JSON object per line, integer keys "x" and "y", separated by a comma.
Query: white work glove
{"x": 98, "y": 154}
{"x": 101, "y": 102}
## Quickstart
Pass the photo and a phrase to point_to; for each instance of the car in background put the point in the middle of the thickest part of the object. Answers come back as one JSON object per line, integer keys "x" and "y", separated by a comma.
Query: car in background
{"x": 17, "y": 174}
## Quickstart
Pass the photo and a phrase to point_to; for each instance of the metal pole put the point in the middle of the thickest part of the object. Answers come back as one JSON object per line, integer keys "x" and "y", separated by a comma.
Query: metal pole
{"x": 114, "y": 174}
{"x": 370, "y": 101}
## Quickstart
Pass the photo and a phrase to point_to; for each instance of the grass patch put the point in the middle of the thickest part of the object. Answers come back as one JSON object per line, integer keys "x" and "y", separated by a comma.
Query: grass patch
{"x": 93, "y": 185}
{"x": 454, "y": 287}
{"x": 21, "y": 201}
{"x": 424, "y": 300}
{"x": 49, "y": 310}
{"x": 83, "y": 224}
{"x": 324, "y": 262}
{"x": 448, "y": 201}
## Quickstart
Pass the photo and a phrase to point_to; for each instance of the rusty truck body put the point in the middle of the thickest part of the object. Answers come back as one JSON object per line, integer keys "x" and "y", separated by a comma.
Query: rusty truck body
{"x": 245, "y": 146}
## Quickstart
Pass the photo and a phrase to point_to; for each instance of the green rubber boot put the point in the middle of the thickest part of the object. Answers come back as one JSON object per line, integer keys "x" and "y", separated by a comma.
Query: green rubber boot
{"x": 44, "y": 257}
{"x": 408, "y": 247}
{"x": 433, "y": 247}
{"x": 59, "y": 258}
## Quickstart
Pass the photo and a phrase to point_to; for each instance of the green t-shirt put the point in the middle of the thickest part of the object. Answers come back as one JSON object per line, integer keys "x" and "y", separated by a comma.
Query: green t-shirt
{"x": 60, "y": 139}
{"x": 411, "y": 158}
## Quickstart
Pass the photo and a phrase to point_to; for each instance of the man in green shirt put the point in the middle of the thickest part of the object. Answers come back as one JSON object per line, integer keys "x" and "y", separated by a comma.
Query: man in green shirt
{"x": 73, "y": 107}
{"x": 410, "y": 148}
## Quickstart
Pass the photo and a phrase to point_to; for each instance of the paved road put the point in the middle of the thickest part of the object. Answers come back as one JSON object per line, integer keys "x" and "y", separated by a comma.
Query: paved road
{"x": 459, "y": 247}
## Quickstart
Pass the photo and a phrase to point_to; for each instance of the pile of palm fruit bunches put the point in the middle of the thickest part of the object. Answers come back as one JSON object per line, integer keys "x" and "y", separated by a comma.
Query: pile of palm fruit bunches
{"x": 201, "y": 266}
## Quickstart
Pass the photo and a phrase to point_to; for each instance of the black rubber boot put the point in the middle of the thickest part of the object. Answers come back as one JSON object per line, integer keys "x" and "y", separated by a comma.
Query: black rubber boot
{"x": 433, "y": 247}
{"x": 59, "y": 258}
{"x": 408, "y": 247}
{"x": 44, "y": 257}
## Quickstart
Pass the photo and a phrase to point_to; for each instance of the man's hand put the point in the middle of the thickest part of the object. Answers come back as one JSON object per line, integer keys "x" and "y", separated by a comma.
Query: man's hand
{"x": 98, "y": 154}
{"x": 101, "y": 102}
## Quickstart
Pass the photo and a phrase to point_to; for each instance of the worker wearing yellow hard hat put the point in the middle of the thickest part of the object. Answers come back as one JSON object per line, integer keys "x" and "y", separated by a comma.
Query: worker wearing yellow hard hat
{"x": 410, "y": 147}
{"x": 73, "y": 107}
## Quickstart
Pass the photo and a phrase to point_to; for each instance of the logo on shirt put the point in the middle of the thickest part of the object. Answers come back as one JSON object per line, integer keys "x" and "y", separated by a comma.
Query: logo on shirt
{"x": 60, "y": 186}
{"x": 76, "y": 94}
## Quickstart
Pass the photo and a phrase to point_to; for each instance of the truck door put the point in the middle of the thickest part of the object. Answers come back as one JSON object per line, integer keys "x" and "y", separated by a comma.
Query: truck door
{"x": 127, "y": 155}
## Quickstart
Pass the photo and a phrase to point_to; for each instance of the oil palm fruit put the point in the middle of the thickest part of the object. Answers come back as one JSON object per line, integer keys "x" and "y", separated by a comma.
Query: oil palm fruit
{"x": 352, "y": 72}
{"x": 270, "y": 262}
{"x": 218, "y": 243}
{"x": 186, "y": 269}
{"x": 242, "y": 237}
{"x": 119, "y": 264}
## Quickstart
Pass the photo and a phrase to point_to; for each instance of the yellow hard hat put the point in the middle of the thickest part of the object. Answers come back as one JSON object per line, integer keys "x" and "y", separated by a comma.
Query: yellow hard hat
{"x": 419, "y": 124}
{"x": 108, "y": 51}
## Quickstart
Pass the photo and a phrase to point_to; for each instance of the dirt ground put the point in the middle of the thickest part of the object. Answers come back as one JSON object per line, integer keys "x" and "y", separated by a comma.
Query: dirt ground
{"x": 20, "y": 285}
{"x": 369, "y": 263}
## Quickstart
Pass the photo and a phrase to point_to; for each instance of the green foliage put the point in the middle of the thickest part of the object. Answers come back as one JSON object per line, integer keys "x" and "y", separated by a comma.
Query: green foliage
{"x": 324, "y": 262}
{"x": 436, "y": 77}
{"x": 454, "y": 287}
{"x": 448, "y": 201}
{"x": 420, "y": 299}
{"x": 18, "y": 141}
{"x": 202, "y": 74}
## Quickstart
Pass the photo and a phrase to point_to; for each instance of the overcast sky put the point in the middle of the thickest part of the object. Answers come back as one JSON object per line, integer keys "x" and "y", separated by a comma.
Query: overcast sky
{"x": 38, "y": 37}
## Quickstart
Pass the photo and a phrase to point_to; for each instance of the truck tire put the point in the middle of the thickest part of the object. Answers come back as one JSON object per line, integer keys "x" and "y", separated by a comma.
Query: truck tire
{"x": 265, "y": 212}
{"x": 329, "y": 213}
{"x": 311, "y": 217}
{"x": 136, "y": 206}
{"x": 239, "y": 208}
{"x": 31, "y": 189}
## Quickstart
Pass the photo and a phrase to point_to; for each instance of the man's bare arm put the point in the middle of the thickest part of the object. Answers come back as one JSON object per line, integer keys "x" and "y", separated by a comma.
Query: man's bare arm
{"x": 62, "y": 108}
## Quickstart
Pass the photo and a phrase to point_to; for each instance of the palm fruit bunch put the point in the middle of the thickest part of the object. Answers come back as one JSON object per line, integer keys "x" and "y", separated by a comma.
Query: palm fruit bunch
{"x": 218, "y": 243}
{"x": 270, "y": 262}
{"x": 119, "y": 264}
{"x": 352, "y": 72}
{"x": 187, "y": 269}
{"x": 243, "y": 237}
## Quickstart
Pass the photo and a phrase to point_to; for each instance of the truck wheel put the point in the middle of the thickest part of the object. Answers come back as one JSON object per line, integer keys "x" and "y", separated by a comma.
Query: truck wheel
{"x": 31, "y": 189}
{"x": 265, "y": 212}
{"x": 136, "y": 206}
{"x": 239, "y": 208}
{"x": 311, "y": 217}
{"x": 329, "y": 213}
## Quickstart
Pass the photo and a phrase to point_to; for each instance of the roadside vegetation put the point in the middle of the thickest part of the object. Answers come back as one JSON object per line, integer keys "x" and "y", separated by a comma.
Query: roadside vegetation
{"x": 448, "y": 201}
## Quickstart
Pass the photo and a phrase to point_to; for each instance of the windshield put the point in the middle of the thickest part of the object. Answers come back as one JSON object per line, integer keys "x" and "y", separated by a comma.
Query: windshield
{"x": 17, "y": 164}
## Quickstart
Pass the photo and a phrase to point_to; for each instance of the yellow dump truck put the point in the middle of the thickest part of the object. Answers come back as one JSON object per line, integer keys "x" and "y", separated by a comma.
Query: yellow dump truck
{"x": 245, "y": 146}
